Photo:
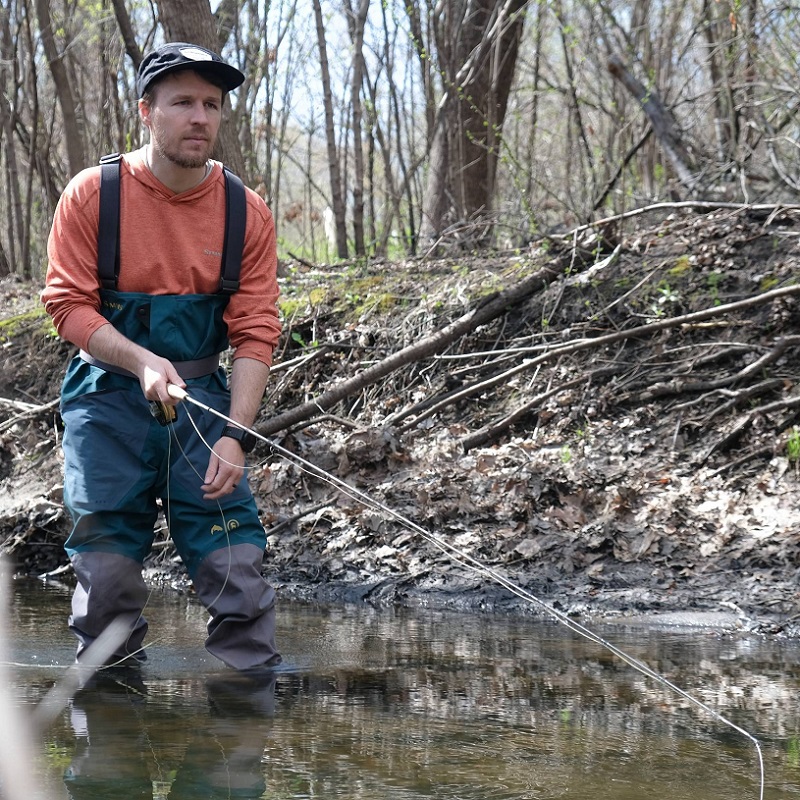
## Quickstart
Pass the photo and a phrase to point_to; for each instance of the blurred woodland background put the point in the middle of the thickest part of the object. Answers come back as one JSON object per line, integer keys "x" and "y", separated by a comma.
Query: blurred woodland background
{"x": 389, "y": 129}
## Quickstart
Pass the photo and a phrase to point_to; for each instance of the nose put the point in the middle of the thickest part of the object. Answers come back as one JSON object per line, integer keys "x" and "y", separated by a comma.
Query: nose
{"x": 199, "y": 113}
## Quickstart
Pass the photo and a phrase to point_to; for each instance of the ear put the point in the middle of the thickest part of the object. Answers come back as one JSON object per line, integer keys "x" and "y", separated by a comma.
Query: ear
{"x": 144, "y": 113}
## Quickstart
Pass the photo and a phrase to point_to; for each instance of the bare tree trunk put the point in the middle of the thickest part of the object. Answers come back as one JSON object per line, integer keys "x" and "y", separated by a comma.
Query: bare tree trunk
{"x": 396, "y": 193}
{"x": 664, "y": 125}
{"x": 426, "y": 66}
{"x": 126, "y": 31}
{"x": 16, "y": 229}
{"x": 437, "y": 199}
{"x": 357, "y": 21}
{"x": 337, "y": 193}
{"x": 392, "y": 192}
{"x": 725, "y": 117}
{"x": 534, "y": 116}
{"x": 479, "y": 48}
{"x": 226, "y": 15}
{"x": 575, "y": 108}
{"x": 73, "y": 134}
{"x": 5, "y": 266}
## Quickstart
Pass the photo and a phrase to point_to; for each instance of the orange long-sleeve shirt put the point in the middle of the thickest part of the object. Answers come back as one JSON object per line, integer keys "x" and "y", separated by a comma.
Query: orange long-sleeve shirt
{"x": 169, "y": 244}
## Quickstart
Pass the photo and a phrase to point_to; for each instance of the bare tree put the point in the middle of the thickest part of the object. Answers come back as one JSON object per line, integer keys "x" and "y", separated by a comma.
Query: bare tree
{"x": 664, "y": 124}
{"x": 477, "y": 45}
{"x": 337, "y": 187}
{"x": 73, "y": 132}
{"x": 438, "y": 118}
{"x": 357, "y": 19}
{"x": 15, "y": 232}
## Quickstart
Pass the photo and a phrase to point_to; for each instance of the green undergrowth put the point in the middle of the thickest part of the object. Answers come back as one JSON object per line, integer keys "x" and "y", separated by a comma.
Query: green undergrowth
{"x": 362, "y": 292}
{"x": 25, "y": 321}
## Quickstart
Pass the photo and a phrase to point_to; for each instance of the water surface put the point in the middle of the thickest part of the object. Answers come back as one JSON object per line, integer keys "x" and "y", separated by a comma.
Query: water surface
{"x": 394, "y": 705}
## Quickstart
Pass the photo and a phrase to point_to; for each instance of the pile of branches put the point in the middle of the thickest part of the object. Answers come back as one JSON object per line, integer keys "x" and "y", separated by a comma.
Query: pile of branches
{"x": 697, "y": 316}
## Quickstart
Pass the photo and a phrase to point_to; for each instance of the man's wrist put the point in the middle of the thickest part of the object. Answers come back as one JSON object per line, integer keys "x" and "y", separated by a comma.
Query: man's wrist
{"x": 246, "y": 440}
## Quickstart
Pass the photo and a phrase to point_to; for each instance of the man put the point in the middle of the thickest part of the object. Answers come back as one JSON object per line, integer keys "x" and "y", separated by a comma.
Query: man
{"x": 163, "y": 321}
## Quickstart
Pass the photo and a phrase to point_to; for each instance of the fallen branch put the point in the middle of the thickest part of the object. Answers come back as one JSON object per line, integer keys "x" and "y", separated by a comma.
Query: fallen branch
{"x": 496, "y": 429}
{"x": 30, "y": 413}
{"x": 744, "y": 424}
{"x": 732, "y": 397}
{"x": 289, "y": 521}
{"x": 492, "y": 307}
{"x": 682, "y": 386}
{"x": 771, "y": 209}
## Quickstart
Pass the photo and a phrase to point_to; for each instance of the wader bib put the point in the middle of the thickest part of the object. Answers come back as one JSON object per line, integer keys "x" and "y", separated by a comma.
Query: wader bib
{"x": 119, "y": 461}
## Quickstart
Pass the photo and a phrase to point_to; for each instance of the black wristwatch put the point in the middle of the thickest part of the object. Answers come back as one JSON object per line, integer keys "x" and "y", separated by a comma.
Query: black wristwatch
{"x": 245, "y": 438}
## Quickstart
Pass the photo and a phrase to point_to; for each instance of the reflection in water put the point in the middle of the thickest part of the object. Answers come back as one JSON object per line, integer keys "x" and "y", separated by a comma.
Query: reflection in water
{"x": 118, "y": 741}
{"x": 390, "y": 705}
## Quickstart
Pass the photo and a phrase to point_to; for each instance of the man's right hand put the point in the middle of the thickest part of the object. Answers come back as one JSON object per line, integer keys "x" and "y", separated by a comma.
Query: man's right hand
{"x": 155, "y": 373}
{"x": 155, "y": 377}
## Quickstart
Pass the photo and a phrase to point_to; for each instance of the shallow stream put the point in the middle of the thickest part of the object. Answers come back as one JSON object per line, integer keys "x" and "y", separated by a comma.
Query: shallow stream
{"x": 395, "y": 705}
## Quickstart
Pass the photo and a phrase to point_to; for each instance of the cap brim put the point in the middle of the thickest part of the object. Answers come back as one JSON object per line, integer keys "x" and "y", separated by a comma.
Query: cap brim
{"x": 231, "y": 77}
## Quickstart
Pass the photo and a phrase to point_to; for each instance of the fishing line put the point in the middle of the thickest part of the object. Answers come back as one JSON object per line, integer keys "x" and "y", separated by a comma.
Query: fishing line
{"x": 472, "y": 563}
{"x": 186, "y": 458}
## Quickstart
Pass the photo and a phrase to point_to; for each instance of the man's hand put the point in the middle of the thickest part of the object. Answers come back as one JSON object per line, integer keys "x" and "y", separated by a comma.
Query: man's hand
{"x": 155, "y": 376}
{"x": 154, "y": 372}
{"x": 225, "y": 469}
{"x": 226, "y": 466}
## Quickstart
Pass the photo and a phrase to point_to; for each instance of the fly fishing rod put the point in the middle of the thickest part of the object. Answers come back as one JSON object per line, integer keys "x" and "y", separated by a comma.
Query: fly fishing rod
{"x": 469, "y": 561}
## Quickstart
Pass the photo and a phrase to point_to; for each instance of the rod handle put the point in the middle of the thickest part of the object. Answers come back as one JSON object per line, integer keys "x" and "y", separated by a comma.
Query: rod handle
{"x": 173, "y": 390}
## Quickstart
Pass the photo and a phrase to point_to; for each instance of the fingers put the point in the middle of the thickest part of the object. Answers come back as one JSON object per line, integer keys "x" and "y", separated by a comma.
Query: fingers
{"x": 160, "y": 381}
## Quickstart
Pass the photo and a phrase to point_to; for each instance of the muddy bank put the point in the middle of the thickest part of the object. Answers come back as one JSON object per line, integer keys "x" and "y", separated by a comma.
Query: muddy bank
{"x": 620, "y": 439}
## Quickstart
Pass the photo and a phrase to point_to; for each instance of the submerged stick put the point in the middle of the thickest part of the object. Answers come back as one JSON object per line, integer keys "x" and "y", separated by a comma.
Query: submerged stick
{"x": 17, "y": 755}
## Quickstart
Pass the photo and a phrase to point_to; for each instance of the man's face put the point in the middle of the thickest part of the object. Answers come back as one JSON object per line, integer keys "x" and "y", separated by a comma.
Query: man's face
{"x": 183, "y": 118}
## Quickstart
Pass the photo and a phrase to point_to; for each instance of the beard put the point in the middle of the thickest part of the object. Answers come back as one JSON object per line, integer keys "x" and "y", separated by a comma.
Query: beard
{"x": 192, "y": 160}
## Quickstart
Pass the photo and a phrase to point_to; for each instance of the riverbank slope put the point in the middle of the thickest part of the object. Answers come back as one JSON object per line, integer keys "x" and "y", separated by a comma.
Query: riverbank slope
{"x": 611, "y": 422}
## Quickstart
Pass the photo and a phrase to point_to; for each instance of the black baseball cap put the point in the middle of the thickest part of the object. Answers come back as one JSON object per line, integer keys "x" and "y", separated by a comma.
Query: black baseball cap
{"x": 175, "y": 56}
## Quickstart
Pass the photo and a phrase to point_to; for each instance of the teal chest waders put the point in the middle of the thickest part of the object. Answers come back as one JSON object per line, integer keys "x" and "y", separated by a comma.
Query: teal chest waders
{"x": 122, "y": 466}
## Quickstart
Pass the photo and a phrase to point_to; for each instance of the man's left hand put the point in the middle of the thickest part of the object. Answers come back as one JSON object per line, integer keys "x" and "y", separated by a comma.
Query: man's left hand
{"x": 225, "y": 469}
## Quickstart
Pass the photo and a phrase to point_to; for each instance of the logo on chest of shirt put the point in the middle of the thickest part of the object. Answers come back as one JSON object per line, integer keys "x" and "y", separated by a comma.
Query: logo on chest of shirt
{"x": 214, "y": 253}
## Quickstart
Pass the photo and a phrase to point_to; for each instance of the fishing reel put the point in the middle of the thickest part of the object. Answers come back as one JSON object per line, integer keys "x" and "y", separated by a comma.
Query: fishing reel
{"x": 165, "y": 414}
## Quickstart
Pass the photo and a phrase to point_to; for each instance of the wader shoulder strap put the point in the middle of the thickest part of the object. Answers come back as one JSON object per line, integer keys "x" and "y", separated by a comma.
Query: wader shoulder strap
{"x": 108, "y": 228}
{"x": 235, "y": 223}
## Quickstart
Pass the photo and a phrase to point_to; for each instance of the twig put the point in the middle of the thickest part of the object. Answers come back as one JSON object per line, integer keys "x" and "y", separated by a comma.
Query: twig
{"x": 680, "y": 386}
{"x": 31, "y": 413}
{"x": 738, "y": 397}
{"x": 285, "y": 523}
{"x": 495, "y": 429}
{"x": 752, "y": 455}
{"x": 697, "y": 205}
{"x": 744, "y": 424}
